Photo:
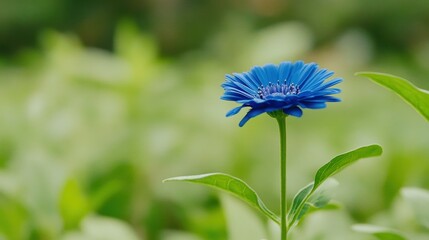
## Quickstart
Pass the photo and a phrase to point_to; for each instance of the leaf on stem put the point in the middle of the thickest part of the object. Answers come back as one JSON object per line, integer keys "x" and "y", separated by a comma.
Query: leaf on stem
{"x": 317, "y": 201}
{"x": 306, "y": 196}
{"x": 418, "y": 98}
{"x": 231, "y": 185}
{"x": 342, "y": 161}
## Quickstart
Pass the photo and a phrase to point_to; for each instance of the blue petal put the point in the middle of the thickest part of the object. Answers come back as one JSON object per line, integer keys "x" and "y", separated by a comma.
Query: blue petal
{"x": 238, "y": 92}
{"x": 317, "y": 79}
{"x": 329, "y": 84}
{"x": 306, "y": 74}
{"x": 295, "y": 72}
{"x": 234, "y": 111}
{"x": 284, "y": 72}
{"x": 238, "y": 84}
{"x": 294, "y": 111}
{"x": 266, "y": 74}
{"x": 313, "y": 105}
{"x": 323, "y": 99}
{"x": 314, "y": 91}
{"x": 248, "y": 80}
{"x": 251, "y": 114}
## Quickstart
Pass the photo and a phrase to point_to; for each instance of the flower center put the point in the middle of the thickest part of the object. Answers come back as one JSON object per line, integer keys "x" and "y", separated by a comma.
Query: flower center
{"x": 277, "y": 89}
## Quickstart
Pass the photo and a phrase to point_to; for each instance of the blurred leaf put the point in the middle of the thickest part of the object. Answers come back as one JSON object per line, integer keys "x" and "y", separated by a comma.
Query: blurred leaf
{"x": 379, "y": 232}
{"x": 138, "y": 49}
{"x": 6, "y": 150}
{"x": 242, "y": 223}
{"x": 418, "y": 199}
{"x": 96, "y": 227}
{"x": 13, "y": 219}
{"x": 120, "y": 179}
{"x": 342, "y": 161}
{"x": 73, "y": 204}
{"x": 232, "y": 185}
{"x": 418, "y": 98}
{"x": 318, "y": 200}
{"x": 303, "y": 198}
{"x": 106, "y": 191}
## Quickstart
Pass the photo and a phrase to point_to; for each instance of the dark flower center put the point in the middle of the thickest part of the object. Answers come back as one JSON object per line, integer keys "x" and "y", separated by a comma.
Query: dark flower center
{"x": 277, "y": 89}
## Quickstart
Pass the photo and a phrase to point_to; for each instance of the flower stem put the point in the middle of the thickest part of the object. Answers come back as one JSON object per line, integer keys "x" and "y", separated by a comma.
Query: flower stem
{"x": 281, "y": 120}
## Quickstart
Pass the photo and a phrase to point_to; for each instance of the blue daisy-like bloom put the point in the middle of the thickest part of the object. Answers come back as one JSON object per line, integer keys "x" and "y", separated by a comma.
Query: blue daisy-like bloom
{"x": 288, "y": 87}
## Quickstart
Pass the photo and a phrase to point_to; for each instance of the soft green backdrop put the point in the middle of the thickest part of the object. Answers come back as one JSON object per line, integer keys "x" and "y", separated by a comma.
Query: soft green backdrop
{"x": 100, "y": 101}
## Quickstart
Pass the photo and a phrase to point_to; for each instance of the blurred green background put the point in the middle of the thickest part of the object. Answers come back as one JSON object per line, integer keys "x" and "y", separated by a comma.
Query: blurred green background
{"x": 102, "y": 100}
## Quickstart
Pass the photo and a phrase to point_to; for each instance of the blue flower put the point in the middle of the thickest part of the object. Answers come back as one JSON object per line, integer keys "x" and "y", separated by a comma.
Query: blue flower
{"x": 288, "y": 87}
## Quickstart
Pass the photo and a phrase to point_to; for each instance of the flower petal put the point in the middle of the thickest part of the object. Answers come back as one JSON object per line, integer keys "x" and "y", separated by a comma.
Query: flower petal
{"x": 312, "y": 105}
{"x": 290, "y": 86}
{"x": 294, "y": 111}
{"x": 266, "y": 74}
{"x": 234, "y": 111}
{"x": 284, "y": 72}
{"x": 251, "y": 114}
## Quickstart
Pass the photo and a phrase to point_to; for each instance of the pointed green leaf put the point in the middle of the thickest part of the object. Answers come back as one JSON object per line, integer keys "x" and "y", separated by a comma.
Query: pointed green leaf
{"x": 342, "y": 161}
{"x": 418, "y": 199}
{"x": 379, "y": 232}
{"x": 231, "y": 185}
{"x": 302, "y": 200}
{"x": 418, "y": 98}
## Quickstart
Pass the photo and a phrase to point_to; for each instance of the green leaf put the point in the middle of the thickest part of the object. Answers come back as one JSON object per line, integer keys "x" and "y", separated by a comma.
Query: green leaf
{"x": 322, "y": 195}
{"x": 231, "y": 185}
{"x": 418, "y": 98}
{"x": 14, "y": 219}
{"x": 418, "y": 199}
{"x": 379, "y": 232}
{"x": 298, "y": 200}
{"x": 74, "y": 205}
{"x": 104, "y": 192}
{"x": 304, "y": 197}
{"x": 342, "y": 161}
{"x": 305, "y": 201}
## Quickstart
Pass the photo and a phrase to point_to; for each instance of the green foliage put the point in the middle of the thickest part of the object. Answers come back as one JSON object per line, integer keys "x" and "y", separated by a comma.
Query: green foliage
{"x": 13, "y": 219}
{"x": 309, "y": 196}
{"x": 418, "y": 199}
{"x": 312, "y": 197}
{"x": 318, "y": 200}
{"x": 342, "y": 161}
{"x": 231, "y": 185}
{"x": 379, "y": 232}
{"x": 76, "y": 111}
{"x": 96, "y": 227}
{"x": 73, "y": 204}
{"x": 418, "y": 98}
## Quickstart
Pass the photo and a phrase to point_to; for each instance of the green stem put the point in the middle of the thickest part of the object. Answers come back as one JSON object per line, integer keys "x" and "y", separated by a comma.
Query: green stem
{"x": 281, "y": 120}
